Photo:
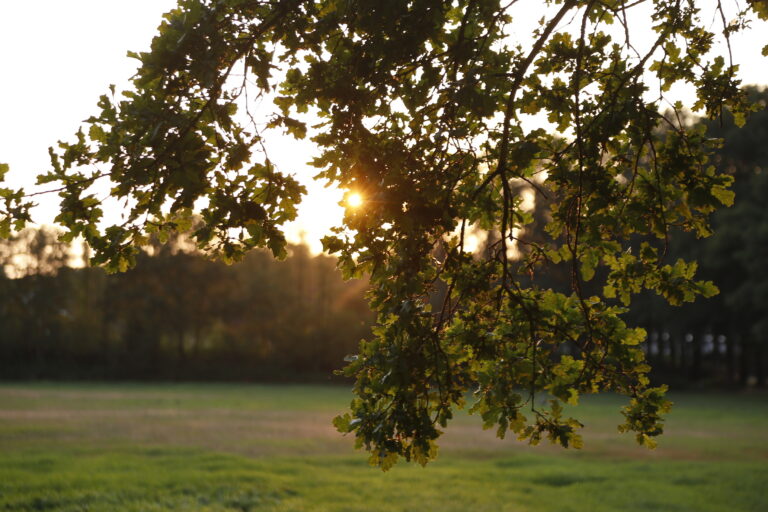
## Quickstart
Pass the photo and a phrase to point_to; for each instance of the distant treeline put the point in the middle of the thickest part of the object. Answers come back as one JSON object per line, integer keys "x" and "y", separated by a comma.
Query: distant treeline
{"x": 177, "y": 315}
{"x": 722, "y": 340}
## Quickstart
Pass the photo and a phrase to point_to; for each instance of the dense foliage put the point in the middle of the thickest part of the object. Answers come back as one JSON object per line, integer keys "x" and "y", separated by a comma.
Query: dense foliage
{"x": 421, "y": 106}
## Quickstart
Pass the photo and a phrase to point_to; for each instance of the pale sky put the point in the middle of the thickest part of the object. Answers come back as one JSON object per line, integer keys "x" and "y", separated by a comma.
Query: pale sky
{"x": 58, "y": 56}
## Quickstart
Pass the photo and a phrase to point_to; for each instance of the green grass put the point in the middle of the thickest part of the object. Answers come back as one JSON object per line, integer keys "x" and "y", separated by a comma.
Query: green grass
{"x": 271, "y": 448}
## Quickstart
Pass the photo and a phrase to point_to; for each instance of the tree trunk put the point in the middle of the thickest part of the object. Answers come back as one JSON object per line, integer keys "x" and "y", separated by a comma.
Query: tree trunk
{"x": 743, "y": 361}
{"x": 696, "y": 342}
{"x": 730, "y": 357}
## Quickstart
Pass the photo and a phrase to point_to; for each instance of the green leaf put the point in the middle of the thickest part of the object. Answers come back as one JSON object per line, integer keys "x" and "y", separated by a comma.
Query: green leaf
{"x": 723, "y": 195}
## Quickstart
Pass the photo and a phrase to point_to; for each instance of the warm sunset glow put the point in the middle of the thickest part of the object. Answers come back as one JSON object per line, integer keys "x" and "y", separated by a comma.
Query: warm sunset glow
{"x": 354, "y": 200}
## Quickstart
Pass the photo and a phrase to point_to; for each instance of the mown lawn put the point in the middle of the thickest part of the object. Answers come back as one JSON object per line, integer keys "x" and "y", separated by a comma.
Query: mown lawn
{"x": 137, "y": 447}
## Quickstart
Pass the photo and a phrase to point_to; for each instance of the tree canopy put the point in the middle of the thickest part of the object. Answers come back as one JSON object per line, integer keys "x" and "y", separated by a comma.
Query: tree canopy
{"x": 423, "y": 107}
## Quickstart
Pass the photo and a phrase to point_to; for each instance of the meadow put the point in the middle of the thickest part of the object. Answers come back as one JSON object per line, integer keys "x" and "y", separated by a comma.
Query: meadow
{"x": 211, "y": 447}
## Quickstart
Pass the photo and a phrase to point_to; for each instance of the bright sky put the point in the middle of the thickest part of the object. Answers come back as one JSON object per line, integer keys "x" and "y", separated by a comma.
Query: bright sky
{"x": 57, "y": 57}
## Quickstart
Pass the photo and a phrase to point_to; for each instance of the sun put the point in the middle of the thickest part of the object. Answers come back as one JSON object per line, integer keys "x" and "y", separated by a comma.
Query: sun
{"x": 354, "y": 200}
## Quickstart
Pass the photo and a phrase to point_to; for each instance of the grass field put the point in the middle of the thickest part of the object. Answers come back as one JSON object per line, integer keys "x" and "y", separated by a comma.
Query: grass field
{"x": 271, "y": 448}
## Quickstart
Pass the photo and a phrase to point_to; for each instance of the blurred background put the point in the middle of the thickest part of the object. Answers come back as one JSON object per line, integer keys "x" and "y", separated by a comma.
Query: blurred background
{"x": 180, "y": 316}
